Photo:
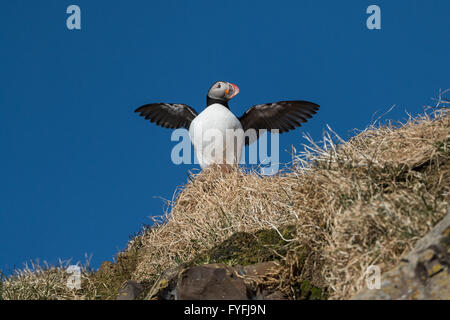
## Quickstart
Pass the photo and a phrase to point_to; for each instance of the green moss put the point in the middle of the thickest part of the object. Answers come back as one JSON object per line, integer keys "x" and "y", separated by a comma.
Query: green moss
{"x": 443, "y": 146}
{"x": 248, "y": 248}
{"x": 317, "y": 294}
{"x": 110, "y": 277}
{"x": 307, "y": 291}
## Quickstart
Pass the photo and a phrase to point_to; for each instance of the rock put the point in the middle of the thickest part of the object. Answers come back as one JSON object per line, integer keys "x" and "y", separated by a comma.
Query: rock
{"x": 211, "y": 282}
{"x": 130, "y": 290}
{"x": 422, "y": 274}
{"x": 165, "y": 287}
{"x": 277, "y": 295}
{"x": 256, "y": 272}
{"x": 255, "y": 260}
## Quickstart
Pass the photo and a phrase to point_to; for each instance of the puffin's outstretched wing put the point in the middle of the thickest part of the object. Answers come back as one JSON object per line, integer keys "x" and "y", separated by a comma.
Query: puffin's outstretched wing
{"x": 168, "y": 115}
{"x": 283, "y": 115}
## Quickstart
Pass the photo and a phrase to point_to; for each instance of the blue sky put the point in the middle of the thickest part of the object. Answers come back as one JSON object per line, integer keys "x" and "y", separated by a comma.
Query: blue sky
{"x": 80, "y": 171}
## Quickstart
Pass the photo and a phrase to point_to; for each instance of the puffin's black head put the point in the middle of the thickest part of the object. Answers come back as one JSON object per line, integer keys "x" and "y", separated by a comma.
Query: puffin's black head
{"x": 223, "y": 91}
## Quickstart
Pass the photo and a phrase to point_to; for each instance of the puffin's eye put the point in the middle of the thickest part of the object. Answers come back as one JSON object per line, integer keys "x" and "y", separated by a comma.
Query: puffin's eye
{"x": 218, "y": 86}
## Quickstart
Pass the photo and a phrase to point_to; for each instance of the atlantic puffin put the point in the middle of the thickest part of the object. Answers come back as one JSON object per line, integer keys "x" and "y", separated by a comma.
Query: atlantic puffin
{"x": 210, "y": 130}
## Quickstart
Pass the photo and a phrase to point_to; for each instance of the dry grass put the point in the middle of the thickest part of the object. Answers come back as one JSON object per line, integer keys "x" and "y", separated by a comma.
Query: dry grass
{"x": 45, "y": 282}
{"x": 385, "y": 189}
{"x": 354, "y": 204}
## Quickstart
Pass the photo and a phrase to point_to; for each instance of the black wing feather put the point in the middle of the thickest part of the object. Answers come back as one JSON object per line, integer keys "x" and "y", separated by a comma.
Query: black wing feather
{"x": 168, "y": 115}
{"x": 283, "y": 115}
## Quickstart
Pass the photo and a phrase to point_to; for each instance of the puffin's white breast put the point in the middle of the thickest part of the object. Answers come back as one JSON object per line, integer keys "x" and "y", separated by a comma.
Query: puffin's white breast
{"x": 217, "y": 136}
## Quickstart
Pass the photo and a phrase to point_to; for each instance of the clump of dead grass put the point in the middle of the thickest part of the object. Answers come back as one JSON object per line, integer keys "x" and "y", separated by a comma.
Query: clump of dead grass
{"x": 386, "y": 188}
{"x": 46, "y": 282}
{"x": 43, "y": 281}
{"x": 209, "y": 209}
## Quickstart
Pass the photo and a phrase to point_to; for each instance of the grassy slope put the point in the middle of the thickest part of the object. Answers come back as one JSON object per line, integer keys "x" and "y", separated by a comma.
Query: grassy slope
{"x": 347, "y": 206}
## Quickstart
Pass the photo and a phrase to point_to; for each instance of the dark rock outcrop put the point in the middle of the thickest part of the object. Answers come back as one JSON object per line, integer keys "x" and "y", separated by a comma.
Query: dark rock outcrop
{"x": 130, "y": 290}
{"x": 213, "y": 282}
{"x": 237, "y": 268}
{"x": 210, "y": 282}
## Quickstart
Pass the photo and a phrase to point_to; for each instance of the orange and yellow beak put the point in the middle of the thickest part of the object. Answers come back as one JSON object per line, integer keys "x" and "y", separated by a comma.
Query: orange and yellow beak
{"x": 232, "y": 91}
